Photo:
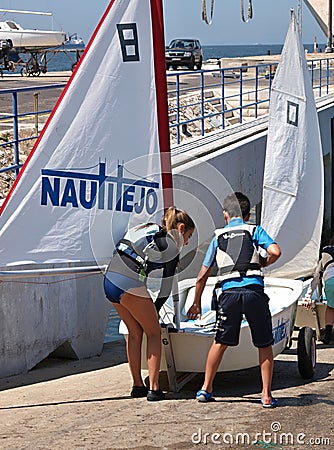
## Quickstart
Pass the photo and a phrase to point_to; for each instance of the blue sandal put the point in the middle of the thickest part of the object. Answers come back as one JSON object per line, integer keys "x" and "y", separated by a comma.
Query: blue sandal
{"x": 204, "y": 396}
{"x": 273, "y": 403}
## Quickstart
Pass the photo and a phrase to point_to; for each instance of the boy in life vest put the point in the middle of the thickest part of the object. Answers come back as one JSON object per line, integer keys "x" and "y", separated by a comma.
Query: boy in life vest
{"x": 235, "y": 251}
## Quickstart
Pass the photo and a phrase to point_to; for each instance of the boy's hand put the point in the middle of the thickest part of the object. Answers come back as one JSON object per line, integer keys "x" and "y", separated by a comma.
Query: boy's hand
{"x": 263, "y": 261}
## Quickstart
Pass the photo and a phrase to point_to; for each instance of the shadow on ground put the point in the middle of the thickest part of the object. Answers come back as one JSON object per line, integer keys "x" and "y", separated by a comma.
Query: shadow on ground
{"x": 113, "y": 354}
{"x": 247, "y": 382}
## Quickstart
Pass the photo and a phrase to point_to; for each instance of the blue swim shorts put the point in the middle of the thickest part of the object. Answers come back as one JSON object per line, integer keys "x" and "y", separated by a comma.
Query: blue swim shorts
{"x": 254, "y": 304}
{"x": 329, "y": 292}
{"x": 115, "y": 285}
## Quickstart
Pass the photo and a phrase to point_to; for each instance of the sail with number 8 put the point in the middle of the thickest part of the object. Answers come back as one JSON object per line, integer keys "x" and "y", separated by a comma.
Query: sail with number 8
{"x": 102, "y": 160}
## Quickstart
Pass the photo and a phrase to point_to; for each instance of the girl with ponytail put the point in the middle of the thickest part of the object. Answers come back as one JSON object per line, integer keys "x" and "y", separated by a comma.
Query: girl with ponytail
{"x": 143, "y": 249}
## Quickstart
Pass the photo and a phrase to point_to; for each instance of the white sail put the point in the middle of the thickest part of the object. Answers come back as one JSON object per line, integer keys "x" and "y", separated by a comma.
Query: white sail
{"x": 319, "y": 10}
{"x": 97, "y": 164}
{"x": 292, "y": 208}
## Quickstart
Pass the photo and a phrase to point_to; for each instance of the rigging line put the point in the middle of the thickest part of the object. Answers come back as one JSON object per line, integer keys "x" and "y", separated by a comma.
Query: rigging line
{"x": 204, "y": 14}
{"x": 249, "y": 11}
{"x": 46, "y": 282}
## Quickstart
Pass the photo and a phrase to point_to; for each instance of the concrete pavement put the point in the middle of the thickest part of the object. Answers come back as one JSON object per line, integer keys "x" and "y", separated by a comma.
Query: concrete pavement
{"x": 86, "y": 405}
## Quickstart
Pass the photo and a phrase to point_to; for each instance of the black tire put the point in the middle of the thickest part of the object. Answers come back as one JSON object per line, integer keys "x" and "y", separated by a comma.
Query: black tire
{"x": 306, "y": 352}
{"x": 191, "y": 65}
{"x": 174, "y": 67}
{"x": 24, "y": 72}
{"x": 199, "y": 64}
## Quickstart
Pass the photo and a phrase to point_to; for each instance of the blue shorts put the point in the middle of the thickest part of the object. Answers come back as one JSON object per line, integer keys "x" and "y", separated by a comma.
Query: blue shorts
{"x": 254, "y": 303}
{"x": 115, "y": 285}
{"x": 329, "y": 292}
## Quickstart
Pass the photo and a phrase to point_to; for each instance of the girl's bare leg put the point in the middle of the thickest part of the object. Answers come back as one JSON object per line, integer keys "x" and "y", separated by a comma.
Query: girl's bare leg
{"x": 133, "y": 344}
{"x": 139, "y": 304}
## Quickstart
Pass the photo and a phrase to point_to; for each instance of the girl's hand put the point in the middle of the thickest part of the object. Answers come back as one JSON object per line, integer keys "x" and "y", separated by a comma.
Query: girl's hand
{"x": 194, "y": 312}
{"x": 307, "y": 303}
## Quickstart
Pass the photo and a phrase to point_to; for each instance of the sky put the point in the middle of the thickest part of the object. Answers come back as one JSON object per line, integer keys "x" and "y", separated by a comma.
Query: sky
{"x": 182, "y": 19}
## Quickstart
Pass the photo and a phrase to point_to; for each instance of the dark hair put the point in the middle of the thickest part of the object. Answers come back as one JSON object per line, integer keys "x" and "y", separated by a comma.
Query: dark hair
{"x": 174, "y": 216}
{"x": 236, "y": 205}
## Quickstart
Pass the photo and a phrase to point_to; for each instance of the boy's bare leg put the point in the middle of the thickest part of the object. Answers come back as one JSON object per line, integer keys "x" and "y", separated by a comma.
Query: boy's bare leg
{"x": 266, "y": 361}
{"x": 329, "y": 316}
{"x": 214, "y": 358}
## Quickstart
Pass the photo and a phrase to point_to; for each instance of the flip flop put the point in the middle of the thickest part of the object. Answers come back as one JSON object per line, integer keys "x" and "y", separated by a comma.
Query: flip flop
{"x": 273, "y": 403}
{"x": 203, "y": 396}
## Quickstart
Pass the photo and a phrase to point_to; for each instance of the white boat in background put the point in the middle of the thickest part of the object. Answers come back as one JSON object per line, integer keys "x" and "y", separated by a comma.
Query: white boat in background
{"x": 74, "y": 41}
{"x": 23, "y": 38}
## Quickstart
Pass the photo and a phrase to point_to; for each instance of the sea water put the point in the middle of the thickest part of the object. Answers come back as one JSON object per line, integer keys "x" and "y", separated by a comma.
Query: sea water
{"x": 62, "y": 61}
{"x": 112, "y": 327}
{"x": 238, "y": 51}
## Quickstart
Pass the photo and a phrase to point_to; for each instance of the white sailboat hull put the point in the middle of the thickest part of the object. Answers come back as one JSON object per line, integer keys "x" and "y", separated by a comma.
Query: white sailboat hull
{"x": 30, "y": 39}
{"x": 190, "y": 346}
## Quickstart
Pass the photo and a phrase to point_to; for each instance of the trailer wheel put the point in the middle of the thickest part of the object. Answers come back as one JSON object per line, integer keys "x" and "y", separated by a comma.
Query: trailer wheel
{"x": 306, "y": 352}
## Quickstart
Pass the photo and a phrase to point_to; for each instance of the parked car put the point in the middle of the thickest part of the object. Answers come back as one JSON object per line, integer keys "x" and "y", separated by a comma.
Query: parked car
{"x": 184, "y": 52}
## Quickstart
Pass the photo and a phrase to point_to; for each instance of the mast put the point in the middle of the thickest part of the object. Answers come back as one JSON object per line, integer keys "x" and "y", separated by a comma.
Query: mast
{"x": 162, "y": 102}
{"x": 300, "y": 17}
{"x": 329, "y": 48}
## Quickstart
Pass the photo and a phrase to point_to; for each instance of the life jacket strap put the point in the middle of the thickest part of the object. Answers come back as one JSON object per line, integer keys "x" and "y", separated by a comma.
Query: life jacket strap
{"x": 125, "y": 247}
{"x": 239, "y": 274}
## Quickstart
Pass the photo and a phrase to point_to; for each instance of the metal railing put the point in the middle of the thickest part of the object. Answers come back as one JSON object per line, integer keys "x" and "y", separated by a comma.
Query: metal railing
{"x": 214, "y": 99}
{"x": 57, "y": 271}
{"x": 14, "y": 119}
{"x": 199, "y": 101}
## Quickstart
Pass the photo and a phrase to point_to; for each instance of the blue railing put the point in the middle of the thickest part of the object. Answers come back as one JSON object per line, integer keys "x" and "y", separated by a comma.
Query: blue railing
{"x": 15, "y": 117}
{"x": 199, "y": 102}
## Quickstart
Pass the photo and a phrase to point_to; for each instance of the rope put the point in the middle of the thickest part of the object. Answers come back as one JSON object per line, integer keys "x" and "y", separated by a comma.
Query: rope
{"x": 209, "y": 21}
{"x": 47, "y": 282}
{"x": 204, "y": 14}
{"x": 249, "y": 12}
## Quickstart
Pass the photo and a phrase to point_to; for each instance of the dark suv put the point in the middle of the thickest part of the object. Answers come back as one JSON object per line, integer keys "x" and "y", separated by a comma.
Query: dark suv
{"x": 184, "y": 52}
